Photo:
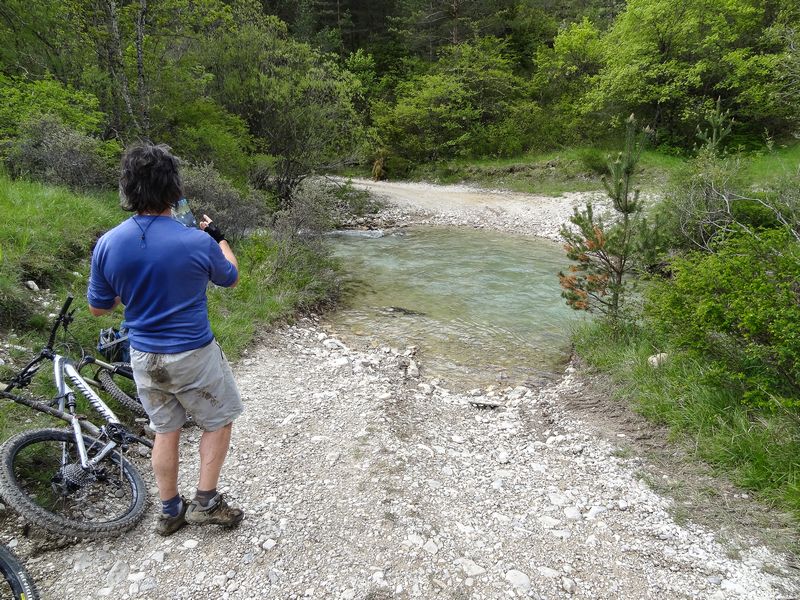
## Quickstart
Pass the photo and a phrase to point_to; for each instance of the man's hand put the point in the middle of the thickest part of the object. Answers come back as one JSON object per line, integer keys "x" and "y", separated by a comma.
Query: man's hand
{"x": 207, "y": 225}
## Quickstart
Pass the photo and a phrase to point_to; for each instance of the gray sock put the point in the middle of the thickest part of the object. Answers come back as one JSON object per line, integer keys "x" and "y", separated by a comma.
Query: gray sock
{"x": 204, "y": 497}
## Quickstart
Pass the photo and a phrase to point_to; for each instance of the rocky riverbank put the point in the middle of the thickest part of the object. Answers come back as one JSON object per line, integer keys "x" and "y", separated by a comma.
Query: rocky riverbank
{"x": 457, "y": 205}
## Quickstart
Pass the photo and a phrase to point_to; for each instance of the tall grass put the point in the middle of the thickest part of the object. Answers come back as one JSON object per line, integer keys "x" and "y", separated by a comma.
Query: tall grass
{"x": 758, "y": 450}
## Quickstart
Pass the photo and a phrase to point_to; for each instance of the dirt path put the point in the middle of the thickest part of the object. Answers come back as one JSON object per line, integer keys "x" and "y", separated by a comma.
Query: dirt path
{"x": 362, "y": 478}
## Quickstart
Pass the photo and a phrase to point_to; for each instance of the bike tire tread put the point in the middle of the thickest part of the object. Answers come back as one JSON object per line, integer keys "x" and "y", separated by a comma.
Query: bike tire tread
{"x": 107, "y": 382}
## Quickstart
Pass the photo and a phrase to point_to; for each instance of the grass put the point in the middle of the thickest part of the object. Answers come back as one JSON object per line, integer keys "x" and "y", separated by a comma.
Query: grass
{"x": 767, "y": 167}
{"x": 46, "y": 234}
{"x": 758, "y": 450}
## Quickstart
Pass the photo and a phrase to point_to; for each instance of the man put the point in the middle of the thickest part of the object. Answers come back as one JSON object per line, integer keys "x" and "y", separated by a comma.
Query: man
{"x": 159, "y": 270}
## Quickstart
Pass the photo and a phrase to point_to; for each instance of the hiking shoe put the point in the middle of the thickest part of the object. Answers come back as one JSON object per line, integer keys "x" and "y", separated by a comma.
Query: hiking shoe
{"x": 216, "y": 513}
{"x": 168, "y": 525}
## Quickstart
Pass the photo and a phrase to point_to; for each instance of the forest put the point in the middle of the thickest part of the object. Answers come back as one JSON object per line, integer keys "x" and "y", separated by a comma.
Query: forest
{"x": 258, "y": 97}
{"x": 269, "y": 92}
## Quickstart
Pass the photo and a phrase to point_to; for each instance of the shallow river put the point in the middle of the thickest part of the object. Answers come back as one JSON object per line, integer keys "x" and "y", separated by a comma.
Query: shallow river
{"x": 482, "y": 307}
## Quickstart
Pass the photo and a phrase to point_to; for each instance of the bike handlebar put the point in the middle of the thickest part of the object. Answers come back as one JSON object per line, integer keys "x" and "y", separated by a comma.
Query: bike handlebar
{"x": 59, "y": 320}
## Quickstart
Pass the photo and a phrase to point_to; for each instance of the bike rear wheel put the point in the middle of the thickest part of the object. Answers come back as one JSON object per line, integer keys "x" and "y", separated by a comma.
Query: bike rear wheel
{"x": 20, "y": 585}
{"x": 122, "y": 389}
{"x": 41, "y": 478}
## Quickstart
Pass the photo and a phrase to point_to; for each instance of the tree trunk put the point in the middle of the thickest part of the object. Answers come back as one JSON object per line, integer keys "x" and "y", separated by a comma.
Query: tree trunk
{"x": 116, "y": 64}
{"x": 142, "y": 91}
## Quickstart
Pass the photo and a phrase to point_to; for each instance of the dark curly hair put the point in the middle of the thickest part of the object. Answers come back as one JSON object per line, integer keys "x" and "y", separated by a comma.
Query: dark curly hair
{"x": 150, "y": 181}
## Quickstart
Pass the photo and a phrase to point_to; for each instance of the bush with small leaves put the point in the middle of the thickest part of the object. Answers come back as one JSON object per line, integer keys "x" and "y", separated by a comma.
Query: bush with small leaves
{"x": 52, "y": 152}
{"x": 739, "y": 308}
{"x": 210, "y": 193}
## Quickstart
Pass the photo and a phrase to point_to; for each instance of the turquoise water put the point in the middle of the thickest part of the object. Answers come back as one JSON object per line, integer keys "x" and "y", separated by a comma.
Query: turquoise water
{"x": 482, "y": 307}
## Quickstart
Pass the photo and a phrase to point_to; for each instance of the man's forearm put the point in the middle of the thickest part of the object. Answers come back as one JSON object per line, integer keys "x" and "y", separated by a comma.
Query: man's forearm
{"x": 228, "y": 253}
{"x": 104, "y": 311}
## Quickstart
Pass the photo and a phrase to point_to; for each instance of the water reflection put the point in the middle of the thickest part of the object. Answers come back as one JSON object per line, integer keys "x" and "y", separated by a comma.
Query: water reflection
{"x": 481, "y": 306}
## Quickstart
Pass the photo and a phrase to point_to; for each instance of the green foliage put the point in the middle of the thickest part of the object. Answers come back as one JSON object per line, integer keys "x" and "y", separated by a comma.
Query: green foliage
{"x": 203, "y": 132}
{"x": 208, "y": 192}
{"x": 720, "y": 125}
{"x": 594, "y": 160}
{"x": 667, "y": 59}
{"x": 296, "y": 102}
{"x": 566, "y": 72}
{"x": 50, "y": 151}
{"x": 432, "y": 118}
{"x": 23, "y": 100}
{"x": 740, "y": 306}
{"x": 472, "y": 104}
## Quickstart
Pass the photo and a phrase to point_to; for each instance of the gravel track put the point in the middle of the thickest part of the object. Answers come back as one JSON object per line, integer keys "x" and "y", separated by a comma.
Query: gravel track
{"x": 362, "y": 478}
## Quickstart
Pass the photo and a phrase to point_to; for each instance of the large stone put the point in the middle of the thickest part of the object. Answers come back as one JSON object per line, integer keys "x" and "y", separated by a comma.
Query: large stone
{"x": 548, "y": 572}
{"x": 518, "y": 580}
{"x": 118, "y": 573}
{"x": 470, "y": 567}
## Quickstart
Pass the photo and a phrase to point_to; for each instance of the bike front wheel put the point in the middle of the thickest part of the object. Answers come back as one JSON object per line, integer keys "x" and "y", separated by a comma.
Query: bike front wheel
{"x": 19, "y": 584}
{"x": 42, "y": 479}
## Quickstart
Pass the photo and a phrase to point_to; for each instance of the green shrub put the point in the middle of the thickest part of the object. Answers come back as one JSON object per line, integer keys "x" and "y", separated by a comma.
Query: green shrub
{"x": 594, "y": 160}
{"x": 754, "y": 214}
{"x": 210, "y": 193}
{"x": 206, "y": 133}
{"x": 52, "y": 152}
{"x": 739, "y": 307}
{"x": 22, "y": 101}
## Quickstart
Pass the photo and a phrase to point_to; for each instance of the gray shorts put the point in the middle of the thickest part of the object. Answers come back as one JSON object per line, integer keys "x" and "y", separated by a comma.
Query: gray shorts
{"x": 198, "y": 382}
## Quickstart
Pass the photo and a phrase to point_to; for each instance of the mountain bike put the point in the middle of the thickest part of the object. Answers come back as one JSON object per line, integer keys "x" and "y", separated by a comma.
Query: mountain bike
{"x": 74, "y": 481}
{"x": 18, "y": 584}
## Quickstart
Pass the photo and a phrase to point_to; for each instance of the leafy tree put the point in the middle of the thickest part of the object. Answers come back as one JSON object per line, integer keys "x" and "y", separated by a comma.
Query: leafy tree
{"x": 297, "y": 103}
{"x": 566, "y": 72}
{"x": 424, "y": 26}
{"x": 471, "y": 103}
{"x": 667, "y": 59}
{"x": 433, "y": 118}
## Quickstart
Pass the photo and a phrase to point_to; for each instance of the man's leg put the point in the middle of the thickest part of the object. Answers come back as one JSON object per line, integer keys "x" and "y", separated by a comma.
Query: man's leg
{"x": 213, "y": 450}
{"x": 165, "y": 468}
{"x": 208, "y": 505}
{"x": 165, "y": 463}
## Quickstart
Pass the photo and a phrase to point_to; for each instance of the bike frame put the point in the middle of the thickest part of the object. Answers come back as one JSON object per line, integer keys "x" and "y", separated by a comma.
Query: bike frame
{"x": 66, "y": 399}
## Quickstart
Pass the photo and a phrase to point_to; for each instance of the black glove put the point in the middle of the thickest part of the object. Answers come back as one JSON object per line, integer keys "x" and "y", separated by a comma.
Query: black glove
{"x": 214, "y": 232}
